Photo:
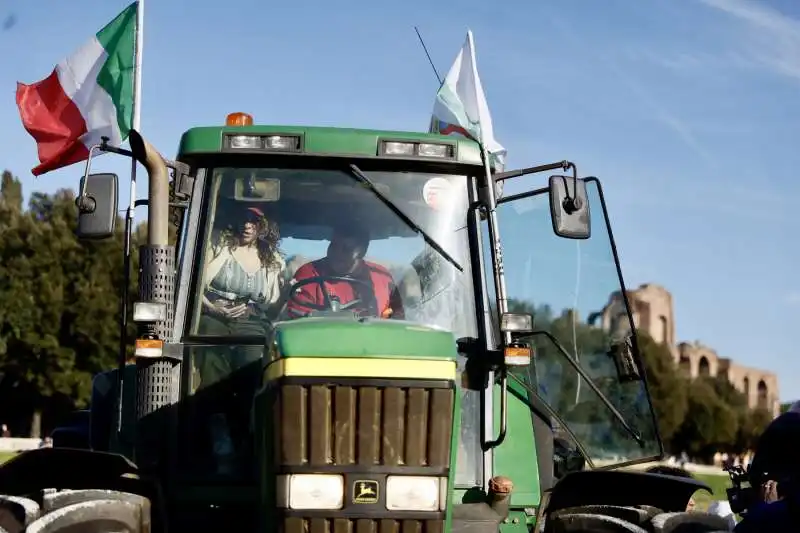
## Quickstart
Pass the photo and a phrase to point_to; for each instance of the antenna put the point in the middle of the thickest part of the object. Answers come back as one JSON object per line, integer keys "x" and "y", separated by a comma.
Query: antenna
{"x": 425, "y": 49}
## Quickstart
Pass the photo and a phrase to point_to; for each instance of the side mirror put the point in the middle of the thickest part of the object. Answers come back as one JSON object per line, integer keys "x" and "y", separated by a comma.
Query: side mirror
{"x": 569, "y": 207}
{"x": 97, "y": 209}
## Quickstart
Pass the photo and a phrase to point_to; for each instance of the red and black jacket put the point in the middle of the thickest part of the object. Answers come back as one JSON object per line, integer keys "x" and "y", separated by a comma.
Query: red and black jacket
{"x": 377, "y": 277}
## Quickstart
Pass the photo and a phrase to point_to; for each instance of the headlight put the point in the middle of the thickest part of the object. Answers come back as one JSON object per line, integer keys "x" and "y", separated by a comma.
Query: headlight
{"x": 310, "y": 491}
{"x": 149, "y": 311}
{"x": 415, "y": 493}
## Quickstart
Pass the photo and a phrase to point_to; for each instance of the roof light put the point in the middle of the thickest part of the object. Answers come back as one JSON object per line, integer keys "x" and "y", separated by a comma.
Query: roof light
{"x": 417, "y": 149}
{"x": 284, "y": 143}
{"x": 435, "y": 150}
{"x": 398, "y": 148}
{"x": 239, "y": 119}
{"x": 266, "y": 143}
{"x": 245, "y": 142}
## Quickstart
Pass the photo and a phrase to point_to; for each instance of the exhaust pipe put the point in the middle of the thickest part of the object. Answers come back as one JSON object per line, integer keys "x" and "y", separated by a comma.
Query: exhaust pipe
{"x": 158, "y": 189}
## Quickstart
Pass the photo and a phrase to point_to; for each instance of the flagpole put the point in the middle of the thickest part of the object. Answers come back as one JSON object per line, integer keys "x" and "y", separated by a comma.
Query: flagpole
{"x": 130, "y": 214}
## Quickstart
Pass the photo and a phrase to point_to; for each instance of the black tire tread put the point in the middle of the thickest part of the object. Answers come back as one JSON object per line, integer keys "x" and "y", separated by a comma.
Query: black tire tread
{"x": 590, "y": 523}
{"x": 628, "y": 514}
{"x": 17, "y": 512}
{"x": 93, "y": 516}
{"x": 688, "y": 522}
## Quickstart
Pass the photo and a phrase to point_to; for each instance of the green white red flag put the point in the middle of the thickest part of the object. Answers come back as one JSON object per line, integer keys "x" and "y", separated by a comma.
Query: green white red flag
{"x": 89, "y": 95}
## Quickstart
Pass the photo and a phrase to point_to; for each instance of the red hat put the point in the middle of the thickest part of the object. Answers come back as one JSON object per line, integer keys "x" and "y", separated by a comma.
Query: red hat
{"x": 256, "y": 211}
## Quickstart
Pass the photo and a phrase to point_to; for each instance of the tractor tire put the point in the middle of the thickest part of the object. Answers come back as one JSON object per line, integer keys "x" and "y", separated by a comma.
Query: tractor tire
{"x": 590, "y": 523}
{"x": 634, "y": 515}
{"x": 688, "y": 522}
{"x": 76, "y": 511}
{"x": 17, "y": 513}
{"x": 56, "y": 500}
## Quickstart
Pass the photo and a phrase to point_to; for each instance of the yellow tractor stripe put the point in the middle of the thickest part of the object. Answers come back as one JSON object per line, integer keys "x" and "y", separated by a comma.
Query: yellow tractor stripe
{"x": 330, "y": 367}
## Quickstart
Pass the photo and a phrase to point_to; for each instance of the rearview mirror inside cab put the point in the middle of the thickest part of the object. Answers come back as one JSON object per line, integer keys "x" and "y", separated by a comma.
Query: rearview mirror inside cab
{"x": 569, "y": 207}
{"x": 97, "y": 211}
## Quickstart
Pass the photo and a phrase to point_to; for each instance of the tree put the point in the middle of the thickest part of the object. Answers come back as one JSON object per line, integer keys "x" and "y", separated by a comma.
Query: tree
{"x": 710, "y": 424}
{"x": 668, "y": 389}
{"x": 10, "y": 192}
{"x": 752, "y": 424}
{"x": 59, "y": 308}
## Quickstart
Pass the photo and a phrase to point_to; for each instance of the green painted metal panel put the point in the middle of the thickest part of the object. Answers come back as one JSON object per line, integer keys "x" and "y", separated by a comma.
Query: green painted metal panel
{"x": 322, "y": 141}
{"x": 336, "y": 337}
{"x": 516, "y": 458}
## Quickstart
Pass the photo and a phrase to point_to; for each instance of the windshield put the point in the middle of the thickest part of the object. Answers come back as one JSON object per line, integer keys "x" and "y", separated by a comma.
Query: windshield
{"x": 572, "y": 289}
{"x": 263, "y": 225}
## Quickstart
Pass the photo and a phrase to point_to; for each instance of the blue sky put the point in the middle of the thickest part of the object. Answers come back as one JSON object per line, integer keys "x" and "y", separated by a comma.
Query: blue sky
{"x": 687, "y": 111}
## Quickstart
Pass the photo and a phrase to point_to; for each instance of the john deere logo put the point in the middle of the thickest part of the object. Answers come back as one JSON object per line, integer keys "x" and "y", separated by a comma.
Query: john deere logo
{"x": 365, "y": 491}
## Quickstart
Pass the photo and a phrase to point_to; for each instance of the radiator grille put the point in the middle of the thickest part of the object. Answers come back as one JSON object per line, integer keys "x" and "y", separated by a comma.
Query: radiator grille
{"x": 401, "y": 425}
{"x": 346, "y": 525}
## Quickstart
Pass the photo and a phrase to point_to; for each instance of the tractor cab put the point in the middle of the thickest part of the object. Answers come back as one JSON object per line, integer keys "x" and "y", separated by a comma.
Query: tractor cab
{"x": 258, "y": 226}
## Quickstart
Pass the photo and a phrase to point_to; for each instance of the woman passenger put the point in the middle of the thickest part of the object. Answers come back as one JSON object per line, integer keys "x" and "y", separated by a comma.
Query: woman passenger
{"x": 242, "y": 282}
{"x": 244, "y": 276}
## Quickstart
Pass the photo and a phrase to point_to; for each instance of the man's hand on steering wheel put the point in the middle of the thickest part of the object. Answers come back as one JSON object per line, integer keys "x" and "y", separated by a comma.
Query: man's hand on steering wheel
{"x": 329, "y": 303}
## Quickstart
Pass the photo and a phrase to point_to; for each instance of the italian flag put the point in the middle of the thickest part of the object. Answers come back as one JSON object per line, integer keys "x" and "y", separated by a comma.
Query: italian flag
{"x": 89, "y": 95}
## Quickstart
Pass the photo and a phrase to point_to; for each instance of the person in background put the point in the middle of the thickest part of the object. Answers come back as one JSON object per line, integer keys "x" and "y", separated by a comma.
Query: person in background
{"x": 776, "y": 471}
{"x": 4, "y": 432}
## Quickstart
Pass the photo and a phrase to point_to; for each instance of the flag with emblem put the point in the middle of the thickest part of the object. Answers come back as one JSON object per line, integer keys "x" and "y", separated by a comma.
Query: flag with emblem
{"x": 460, "y": 107}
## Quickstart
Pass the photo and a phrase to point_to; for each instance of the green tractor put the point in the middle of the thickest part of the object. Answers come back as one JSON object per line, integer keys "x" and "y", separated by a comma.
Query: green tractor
{"x": 459, "y": 411}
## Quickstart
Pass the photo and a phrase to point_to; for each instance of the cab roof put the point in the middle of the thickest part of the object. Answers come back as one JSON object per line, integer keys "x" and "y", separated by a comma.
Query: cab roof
{"x": 323, "y": 141}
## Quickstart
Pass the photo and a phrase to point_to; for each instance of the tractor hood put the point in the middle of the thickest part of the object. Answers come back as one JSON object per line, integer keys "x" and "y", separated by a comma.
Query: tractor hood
{"x": 348, "y": 337}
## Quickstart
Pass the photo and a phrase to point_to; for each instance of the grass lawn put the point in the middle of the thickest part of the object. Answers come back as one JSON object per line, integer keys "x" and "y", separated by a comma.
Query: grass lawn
{"x": 5, "y": 456}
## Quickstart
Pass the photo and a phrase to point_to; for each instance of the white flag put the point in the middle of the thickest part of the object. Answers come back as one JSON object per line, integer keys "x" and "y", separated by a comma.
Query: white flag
{"x": 460, "y": 107}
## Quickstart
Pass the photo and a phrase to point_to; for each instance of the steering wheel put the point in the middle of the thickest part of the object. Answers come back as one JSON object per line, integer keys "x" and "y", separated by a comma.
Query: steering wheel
{"x": 329, "y": 304}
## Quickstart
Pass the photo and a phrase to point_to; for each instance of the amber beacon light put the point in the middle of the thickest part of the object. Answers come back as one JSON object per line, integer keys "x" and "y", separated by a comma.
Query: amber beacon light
{"x": 239, "y": 119}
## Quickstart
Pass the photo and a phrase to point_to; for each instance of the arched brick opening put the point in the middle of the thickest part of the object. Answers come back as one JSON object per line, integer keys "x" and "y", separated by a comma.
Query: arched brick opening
{"x": 664, "y": 323}
{"x": 763, "y": 395}
{"x": 703, "y": 367}
{"x": 746, "y": 387}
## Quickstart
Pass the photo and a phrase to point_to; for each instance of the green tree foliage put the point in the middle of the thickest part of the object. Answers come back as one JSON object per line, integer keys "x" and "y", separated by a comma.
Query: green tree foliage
{"x": 667, "y": 388}
{"x": 59, "y": 308}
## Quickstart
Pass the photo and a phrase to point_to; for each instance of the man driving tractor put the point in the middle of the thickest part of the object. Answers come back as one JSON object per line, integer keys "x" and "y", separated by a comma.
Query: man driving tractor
{"x": 348, "y": 281}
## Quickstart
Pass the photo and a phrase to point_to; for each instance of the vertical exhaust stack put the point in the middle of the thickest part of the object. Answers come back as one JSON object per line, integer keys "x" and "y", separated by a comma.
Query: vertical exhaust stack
{"x": 157, "y": 379}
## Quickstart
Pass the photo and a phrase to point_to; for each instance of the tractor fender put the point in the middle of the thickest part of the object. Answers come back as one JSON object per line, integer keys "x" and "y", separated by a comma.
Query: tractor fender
{"x": 591, "y": 487}
{"x": 69, "y": 468}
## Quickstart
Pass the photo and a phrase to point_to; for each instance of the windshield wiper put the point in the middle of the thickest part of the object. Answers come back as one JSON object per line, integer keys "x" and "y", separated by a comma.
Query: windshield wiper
{"x": 359, "y": 175}
{"x": 579, "y": 369}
